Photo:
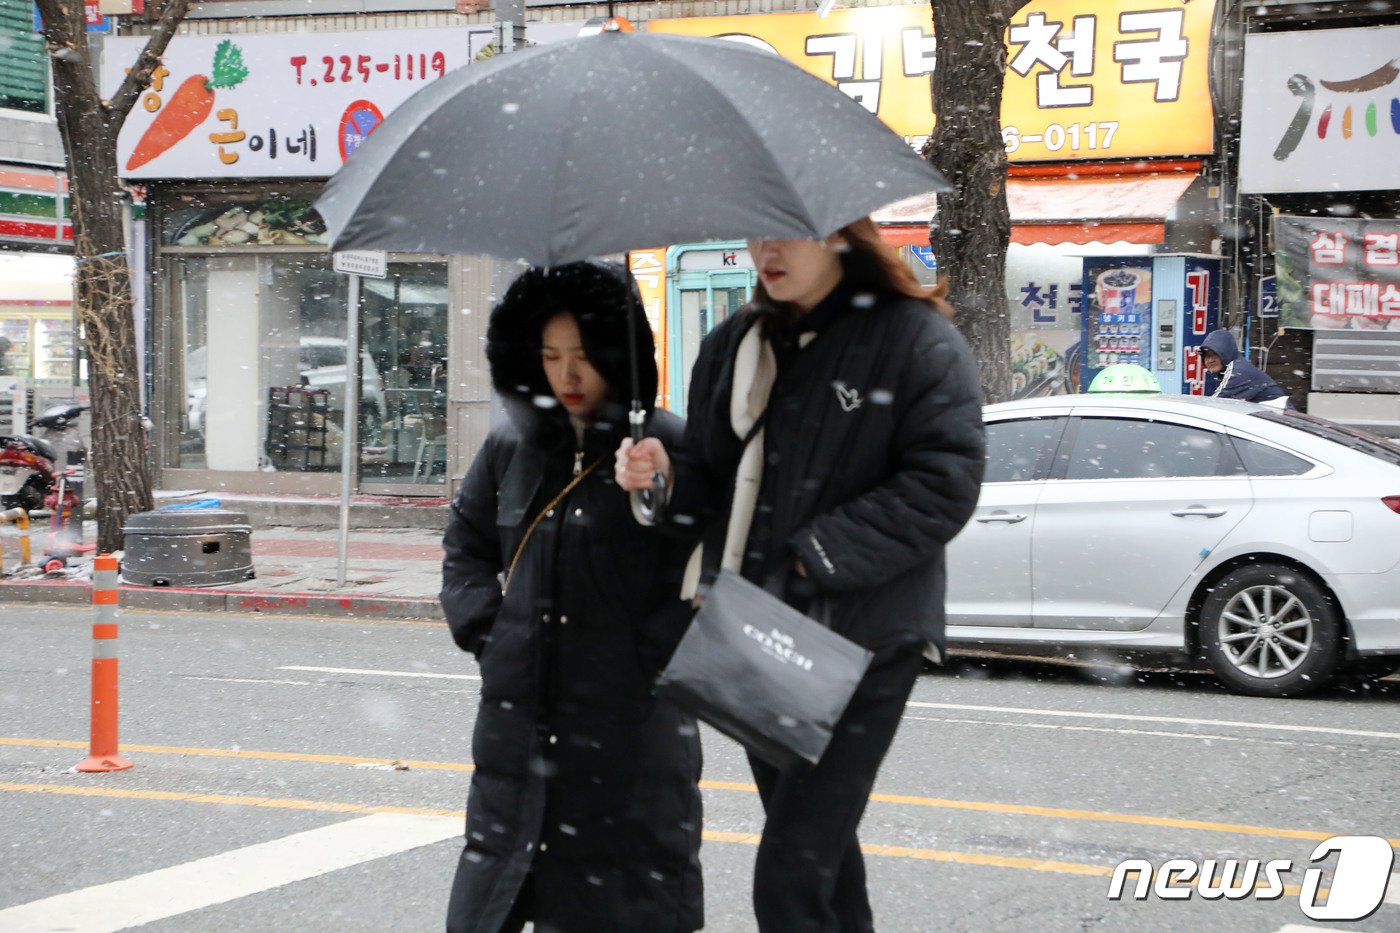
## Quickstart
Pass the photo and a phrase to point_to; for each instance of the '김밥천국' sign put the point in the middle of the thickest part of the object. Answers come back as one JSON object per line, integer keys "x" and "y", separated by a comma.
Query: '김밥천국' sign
{"x": 1335, "y": 274}
{"x": 1085, "y": 79}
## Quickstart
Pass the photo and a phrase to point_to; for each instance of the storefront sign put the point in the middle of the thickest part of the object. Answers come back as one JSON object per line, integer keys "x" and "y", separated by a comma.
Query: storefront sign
{"x": 648, "y": 267}
{"x": 1086, "y": 79}
{"x": 371, "y": 263}
{"x": 289, "y": 105}
{"x": 1335, "y": 274}
{"x": 271, "y": 221}
{"x": 1268, "y": 296}
{"x": 924, "y": 256}
{"x": 1044, "y": 293}
{"x": 93, "y": 16}
{"x": 1321, "y": 111}
{"x": 34, "y": 206}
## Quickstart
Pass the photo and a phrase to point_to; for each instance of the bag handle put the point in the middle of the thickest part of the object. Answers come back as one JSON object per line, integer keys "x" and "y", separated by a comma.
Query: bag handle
{"x": 520, "y": 548}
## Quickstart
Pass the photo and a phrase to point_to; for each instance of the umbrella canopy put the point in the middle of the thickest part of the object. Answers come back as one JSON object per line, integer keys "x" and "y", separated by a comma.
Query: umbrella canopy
{"x": 608, "y": 142}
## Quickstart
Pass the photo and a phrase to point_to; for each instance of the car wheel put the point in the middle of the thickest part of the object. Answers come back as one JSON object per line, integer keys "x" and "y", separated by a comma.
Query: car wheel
{"x": 1270, "y": 631}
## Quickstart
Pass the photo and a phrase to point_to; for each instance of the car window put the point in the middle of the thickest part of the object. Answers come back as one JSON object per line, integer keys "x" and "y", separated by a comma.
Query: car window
{"x": 1263, "y": 460}
{"x": 1123, "y": 448}
{"x": 1020, "y": 450}
{"x": 1352, "y": 438}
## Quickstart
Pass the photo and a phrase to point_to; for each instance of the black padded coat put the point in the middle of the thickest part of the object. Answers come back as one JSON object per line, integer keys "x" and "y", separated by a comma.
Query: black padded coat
{"x": 874, "y": 453}
{"x": 583, "y": 780}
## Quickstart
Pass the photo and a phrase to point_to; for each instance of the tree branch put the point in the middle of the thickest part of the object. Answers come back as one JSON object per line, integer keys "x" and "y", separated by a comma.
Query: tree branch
{"x": 139, "y": 77}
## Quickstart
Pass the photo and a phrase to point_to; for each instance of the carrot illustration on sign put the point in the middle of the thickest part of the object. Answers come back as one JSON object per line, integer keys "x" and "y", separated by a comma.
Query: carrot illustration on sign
{"x": 189, "y": 106}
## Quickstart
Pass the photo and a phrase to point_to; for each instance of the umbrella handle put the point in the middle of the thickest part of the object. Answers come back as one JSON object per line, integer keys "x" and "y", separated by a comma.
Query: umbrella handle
{"x": 648, "y": 505}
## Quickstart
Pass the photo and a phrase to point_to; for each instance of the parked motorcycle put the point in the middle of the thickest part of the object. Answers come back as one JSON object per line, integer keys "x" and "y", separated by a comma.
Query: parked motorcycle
{"x": 43, "y": 469}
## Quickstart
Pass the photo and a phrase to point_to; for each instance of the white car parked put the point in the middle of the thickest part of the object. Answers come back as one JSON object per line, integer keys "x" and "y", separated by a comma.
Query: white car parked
{"x": 322, "y": 367}
{"x": 1267, "y": 541}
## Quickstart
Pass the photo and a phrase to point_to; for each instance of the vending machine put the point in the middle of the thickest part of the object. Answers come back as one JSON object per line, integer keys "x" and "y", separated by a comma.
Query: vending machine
{"x": 1150, "y": 310}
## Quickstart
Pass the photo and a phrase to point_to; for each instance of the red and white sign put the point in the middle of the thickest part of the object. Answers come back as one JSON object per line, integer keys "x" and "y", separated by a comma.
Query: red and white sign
{"x": 289, "y": 105}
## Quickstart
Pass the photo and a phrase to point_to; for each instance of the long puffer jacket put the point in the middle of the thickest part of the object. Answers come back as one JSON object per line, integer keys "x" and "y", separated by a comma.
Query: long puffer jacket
{"x": 584, "y": 782}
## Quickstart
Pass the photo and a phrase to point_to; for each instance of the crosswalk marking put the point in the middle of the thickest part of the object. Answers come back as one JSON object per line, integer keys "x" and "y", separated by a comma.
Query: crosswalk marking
{"x": 168, "y": 892}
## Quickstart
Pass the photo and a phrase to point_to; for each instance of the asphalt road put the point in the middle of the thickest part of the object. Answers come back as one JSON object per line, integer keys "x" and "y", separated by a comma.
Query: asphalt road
{"x": 265, "y": 796}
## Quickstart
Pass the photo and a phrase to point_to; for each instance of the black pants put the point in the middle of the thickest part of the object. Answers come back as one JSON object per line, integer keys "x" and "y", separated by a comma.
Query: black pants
{"x": 809, "y": 876}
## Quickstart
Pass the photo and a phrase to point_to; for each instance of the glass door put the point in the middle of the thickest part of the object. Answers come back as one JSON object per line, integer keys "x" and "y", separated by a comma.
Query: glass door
{"x": 403, "y": 385}
{"x": 700, "y": 300}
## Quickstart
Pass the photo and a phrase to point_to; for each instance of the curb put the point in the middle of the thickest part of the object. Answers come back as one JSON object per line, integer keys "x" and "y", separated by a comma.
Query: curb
{"x": 429, "y": 515}
{"x": 213, "y": 599}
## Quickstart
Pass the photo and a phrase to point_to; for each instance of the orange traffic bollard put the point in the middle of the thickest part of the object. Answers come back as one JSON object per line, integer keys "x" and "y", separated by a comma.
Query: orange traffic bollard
{"x": 103, "y": 749}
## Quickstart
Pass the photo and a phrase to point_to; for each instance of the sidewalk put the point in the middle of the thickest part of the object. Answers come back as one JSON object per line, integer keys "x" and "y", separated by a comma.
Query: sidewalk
{"x": 391, "y": 573}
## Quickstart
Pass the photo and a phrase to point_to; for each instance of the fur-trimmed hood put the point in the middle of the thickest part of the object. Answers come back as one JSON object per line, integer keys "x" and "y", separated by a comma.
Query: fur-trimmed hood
{"x": 598, "y": 294}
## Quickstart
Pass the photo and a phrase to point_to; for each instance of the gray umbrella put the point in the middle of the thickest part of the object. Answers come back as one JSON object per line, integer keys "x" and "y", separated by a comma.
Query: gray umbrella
{"x": 616, "y": 141}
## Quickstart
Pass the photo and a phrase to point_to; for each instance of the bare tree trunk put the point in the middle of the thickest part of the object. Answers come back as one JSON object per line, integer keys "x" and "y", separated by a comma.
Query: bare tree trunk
{"x": 970, "y": 234}
{"x": 118, "y": 469}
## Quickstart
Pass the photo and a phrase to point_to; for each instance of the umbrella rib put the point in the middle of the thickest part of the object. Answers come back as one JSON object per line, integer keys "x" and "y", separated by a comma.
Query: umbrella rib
{"x": 796, "y": 198}
{"x": 554, "y": 207}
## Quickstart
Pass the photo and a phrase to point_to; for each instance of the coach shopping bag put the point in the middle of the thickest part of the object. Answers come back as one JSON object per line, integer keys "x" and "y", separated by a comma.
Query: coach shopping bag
{"x": 763, "y": 673}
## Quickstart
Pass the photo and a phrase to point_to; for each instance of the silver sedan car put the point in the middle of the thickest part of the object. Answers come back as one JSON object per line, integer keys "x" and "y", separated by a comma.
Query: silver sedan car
{"x": 1266, "y": 541}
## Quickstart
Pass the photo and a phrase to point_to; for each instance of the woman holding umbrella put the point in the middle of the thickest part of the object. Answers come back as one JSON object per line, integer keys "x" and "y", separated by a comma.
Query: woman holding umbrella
{"x": 863, "y": 400}
{"x": 584, "y": 809}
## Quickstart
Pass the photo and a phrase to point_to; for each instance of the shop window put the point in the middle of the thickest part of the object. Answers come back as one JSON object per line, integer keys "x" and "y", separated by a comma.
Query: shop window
{"x": 404, "y": 327}
{"x": 36, "y": 316}
{"x": 260, "y": 344}
{"x": 24, "y": 66}
{"x": 247, "y": 328}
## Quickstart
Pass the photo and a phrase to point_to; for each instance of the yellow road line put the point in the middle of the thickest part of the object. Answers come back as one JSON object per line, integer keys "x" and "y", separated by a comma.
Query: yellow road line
{"x": 275, "y": 803}
{"x": 1020, "y": 863}
{"x": 1013, "y": 809}
{"x": 245, "y": 753}
{"x": 966, "y": 858}
{"x": 1106, "y": 817}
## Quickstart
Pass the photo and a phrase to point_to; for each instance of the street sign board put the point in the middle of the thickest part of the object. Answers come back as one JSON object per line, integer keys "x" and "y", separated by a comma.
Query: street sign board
{"x": 925, "y": 256}
{"x": 371, "y": 263}
{"x": 1268, "y": 296}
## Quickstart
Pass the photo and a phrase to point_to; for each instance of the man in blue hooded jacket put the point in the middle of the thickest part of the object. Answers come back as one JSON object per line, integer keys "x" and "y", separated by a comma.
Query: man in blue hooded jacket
{"x": 1239, "y": 378}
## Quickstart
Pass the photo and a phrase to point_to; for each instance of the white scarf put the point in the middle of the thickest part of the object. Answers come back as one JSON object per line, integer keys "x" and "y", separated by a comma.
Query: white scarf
{"x": 755, "y": 371}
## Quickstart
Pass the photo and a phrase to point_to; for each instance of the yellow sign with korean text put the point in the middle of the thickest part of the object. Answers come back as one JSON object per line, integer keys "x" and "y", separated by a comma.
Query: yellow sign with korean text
{"x": 1085, "y": 79}
{"x": 648, "y": 268}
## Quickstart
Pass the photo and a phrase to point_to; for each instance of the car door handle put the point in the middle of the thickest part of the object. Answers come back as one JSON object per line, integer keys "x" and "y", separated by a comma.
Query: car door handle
{"x": 1006, "y": 517}
{"x": 1199, "y": 511}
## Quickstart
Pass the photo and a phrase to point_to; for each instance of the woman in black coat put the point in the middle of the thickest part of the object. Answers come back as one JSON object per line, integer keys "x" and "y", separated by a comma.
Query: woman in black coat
{"x": 867, "y": 463}
{"x": 584, "y": 809}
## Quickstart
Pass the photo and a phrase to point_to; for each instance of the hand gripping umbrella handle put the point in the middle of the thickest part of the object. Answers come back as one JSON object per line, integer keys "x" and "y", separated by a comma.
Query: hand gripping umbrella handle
{"x": 648, "y": 505}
